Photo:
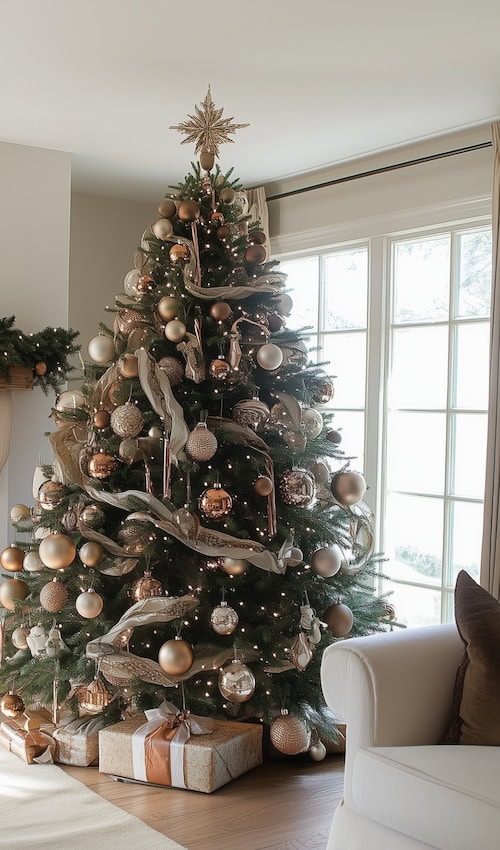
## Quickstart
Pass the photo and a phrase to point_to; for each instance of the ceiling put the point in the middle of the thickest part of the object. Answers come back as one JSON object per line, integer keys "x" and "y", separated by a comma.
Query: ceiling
{"x": 319, "y": 82}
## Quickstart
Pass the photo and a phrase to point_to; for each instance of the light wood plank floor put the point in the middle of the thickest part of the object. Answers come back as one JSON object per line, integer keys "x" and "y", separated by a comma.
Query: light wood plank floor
{"x": 281, "y": 805}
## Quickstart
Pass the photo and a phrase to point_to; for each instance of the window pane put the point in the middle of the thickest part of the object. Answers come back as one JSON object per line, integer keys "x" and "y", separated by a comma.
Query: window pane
{"x": 422, "y": 280}
{"x": 475, "y": 274}
{"x": 470, "y": 455}
{"x": 415, "y": 606}
{"x": 346, "y": 275}
{"x": 467, "y": 525}
{"x": 419, "y": 373}
{"x": 351, "y": 424}
{"x": 473, "y": 356}
{"x": 302, "y": 286}
{"x": 416, "y": 452}
{"x": 346, "y": 354}
{"x": 414, "y": 538}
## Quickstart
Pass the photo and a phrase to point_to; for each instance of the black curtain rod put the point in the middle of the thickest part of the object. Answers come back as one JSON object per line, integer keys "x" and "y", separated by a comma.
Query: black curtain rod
{"x": 383, "y": 170}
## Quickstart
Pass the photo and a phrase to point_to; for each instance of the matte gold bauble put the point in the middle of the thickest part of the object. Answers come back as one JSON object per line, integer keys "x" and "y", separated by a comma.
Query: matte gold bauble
{"x": 101, "y": 419}
{"x": 18, "y": 513}
{"x": 40, "y": 368}
{"x": 91, "y": 553}
{"x": 326, "y": 562}
{"x": 263, "y": 486}
{"x": 32, "y": 562}
{"x": 50, "y": 494}
{"x": 175, "y": 331}
{"x": 127, "y": 420}
{"x": 12, "y": 559}
{"x": 234, "y": 566}
{"x": 89, "y": 604}
{"x": 95, "y": 697}
{"x": 176, "y": 657}
{"x": 179, "y": 254}
{"x": 252, "y": 413}
{"x": 167, "y": 308}
{"x": 92, "y": 515}
{"x": 13, "y": 590}
{"x": 339, "y": 619}
{"x": 297, "y": 488}
{"x": 220, "y": 311}
{"x": 223, "y": 232}
{"x": 19, "y": 637}
{"x": 348, "y": 487}
{"x": 173, "y": 368}
{"x": 128, "y": 366}
{"x": 228, "y": 195}
{"x": 167, "y": 208}
{"x": 258, "y": 237}
{"x": 57, "y": 551}
{"x": 53, "y": 596}
{"x": 162, "y": 229}
{"x": 255, "y": 254}
{"x": 12, "y": 705}
{"x": 219, "y": 369}
{"x": 215, "y": 503}
{"x": 187, "y": 522}
{"x": 145, "y": 587}
{"x": 312, "y": 423}
{"x": 102, "y": 465}
{"x": 134, "y": 538}
{"x": 334, "y": 437}
{"x": 323, "y": 391}
{"x": 101, "y": 349}
{"x": 207, "y": 159}
{"x": 201, "y": 444}
{"x": 296, "y": 440}
{"x": 289, "y": 734}
{"x": 70, "y": 400}
{"x": 188, "y": 211}
{"x": 224, "y": 619}
{"x": 236, "y": 682}
{"x": 269, "y": 356}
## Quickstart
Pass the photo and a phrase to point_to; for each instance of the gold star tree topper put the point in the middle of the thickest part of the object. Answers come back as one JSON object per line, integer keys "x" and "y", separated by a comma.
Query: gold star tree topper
{"x": 208, "y": 128}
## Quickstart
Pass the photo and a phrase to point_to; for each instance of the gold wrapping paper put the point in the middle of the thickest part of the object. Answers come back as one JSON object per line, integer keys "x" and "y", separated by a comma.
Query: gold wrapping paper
{"x": 79, "y": 747}
{"x": 209, "y": 760}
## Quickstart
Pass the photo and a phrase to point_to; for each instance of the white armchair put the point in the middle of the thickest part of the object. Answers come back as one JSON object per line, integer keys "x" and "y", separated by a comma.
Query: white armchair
{"x": 404, "y": 791}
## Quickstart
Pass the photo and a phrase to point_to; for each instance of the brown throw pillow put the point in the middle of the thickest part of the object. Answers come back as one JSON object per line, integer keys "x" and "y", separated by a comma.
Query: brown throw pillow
{"x": 477, "y": 689}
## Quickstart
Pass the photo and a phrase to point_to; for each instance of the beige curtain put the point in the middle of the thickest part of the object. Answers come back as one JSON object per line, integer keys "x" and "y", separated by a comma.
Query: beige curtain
{"x": 257, "y": 210}
{"x": 490, "y": 556}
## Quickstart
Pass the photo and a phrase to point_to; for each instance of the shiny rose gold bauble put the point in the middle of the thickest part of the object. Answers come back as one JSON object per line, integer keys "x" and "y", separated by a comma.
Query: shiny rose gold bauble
{"x": 179, "y": 254}
{"x": 102, "y": 465}
{"x": 50, "y": 494}
{"x": 91, "y": 553}
{"x": 297, "y": 488}
{"x": 224, "y": 619}
{"x": 255, "y": 254}
{"x": 89, "y": 604}
{"x": 57, "y": 551}
{"x": 12, "y": 705}
{"x": 13, "y": 590}
{"x": 263, "y": 486}
{"x": 289, "y": 734}
{"x": 236, "y": 682}
{"x": 40, "y": 368}
{"x": 258, "y": 237}
{"x": 339, "y": 619}
{"x": 92, "y": 515}
{"x": 145, "y": 587}
{"x": 18, "y": 637}
{"x": 175, "y": 331}
{"x": 323, "y": 391}
{"x": 101, "y": 419}
{"x": 162, "y": 229}
{"x": 145, "y": 284}
{"x": 269, "y": 356}
{"x": 176, "y": 657}
{"x": 326, "y": 562}
{"x": 217, "y": 218}
{"x": 173, "y": 368}
{"x": 53, "y": 596}
{"x": 18, "y": 513}
{"x": 188, "y": 211}
{"x": 219, "y": 369}
{"x": 12, "y": 559}
{"x": 215, "y": 503}
{"x": 220, "y": 311}
{"x": 234, "y": 566}
{"x": 201, "y": 444}
{"x": 167, "y": 208}
{"x": 127, "y": 420}
{"x": 101, "y": 349}
{"x": 348, "y": 487}
{"x": 128, "y": 366}
{"x": 167, "y": 308}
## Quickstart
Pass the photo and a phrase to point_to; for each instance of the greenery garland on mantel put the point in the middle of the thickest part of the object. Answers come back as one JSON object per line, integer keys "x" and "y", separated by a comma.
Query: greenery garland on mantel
{"x": 46, "y": 353}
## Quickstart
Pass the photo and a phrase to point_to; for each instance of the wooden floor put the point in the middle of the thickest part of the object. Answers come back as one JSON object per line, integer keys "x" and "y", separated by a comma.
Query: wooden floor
{"x": 282, "y": 805}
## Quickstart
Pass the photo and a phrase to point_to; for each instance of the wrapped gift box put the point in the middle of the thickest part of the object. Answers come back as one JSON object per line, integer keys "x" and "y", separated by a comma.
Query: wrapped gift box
{"x": 30, "y": 745}
{"x": 148, "y": 752}
{"x": 77, "y": 742}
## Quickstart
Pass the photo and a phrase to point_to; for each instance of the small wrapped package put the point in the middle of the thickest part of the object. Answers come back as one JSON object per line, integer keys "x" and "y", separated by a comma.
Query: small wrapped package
{"x": 179, "y": 749}
{"x": 77, "y": 742}
{"x": 30, "y": 744}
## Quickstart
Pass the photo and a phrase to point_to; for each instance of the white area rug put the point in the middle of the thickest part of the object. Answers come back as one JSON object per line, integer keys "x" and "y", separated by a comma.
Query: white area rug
{"x": 42, "y": 808}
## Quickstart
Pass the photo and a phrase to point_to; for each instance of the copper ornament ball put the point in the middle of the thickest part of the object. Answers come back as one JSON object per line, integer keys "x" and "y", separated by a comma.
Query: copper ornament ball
{"x": 167, "y": 208}
{"x": 263, "y": 486}
{"x": 12, "y": 705}
{"x": 234, "y": 566}
{"x": 215, "y": 503}
{"x": 53, "y": 596}
{"x": 219, "y": 369}
{"x": 40, "y": 368}
{"x": 188, "y": 211}
{"x": 223, "y": 232}
{"x": 176, "y": 657}
{"x": 175, "y": 331}
{"x": 217, "y": 218}
{"x": 102, "y": 465}
{"x": 173, "y": 369}
{"x": 339, "y": 619}
{"x": 13, "y": 590}
{"x": 146, "y": 587}
{"x": 255, "y": 254}
{"x": 101, "y": 419}
{"x": 220, "y": 311}
{"x": 12, "y": 559}
{"x": 258, "y": 237}
{"x": 289, "y": 734}
{"x": 334, "y": 437}
{"x": 167, "y": 308}
{"x": 91, "y": 553}
{"x": 348, "y": 487}
{"x": 50, "y": 494}
{"x": 57, "y": 551}
{"x": 162, "y": 229}
{"x": 179, "y": 254}
{"x": 236, "y": 682}
{"x": 128, "y": 366}
{"x": 145, "y": 284}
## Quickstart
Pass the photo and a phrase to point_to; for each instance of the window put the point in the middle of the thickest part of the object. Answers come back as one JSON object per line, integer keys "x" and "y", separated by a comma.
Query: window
{"x": 404, "y": 322}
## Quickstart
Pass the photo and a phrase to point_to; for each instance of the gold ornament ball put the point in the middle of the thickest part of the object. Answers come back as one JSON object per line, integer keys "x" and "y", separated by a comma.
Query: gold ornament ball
{"x": 176, "y": 657}
{"x": 258, "y": 237}
{"x": 12, "y": 559}
{"x": 228, "y": 195}
{"x": 127, "y": 420}
{"x": 51, "y": 494}
{"x": 101, "y": 419}
{"x": 269, "y": 356}
{"x": 94, "y": 698}
{"x": 89, "y": 604}
{"x": 173, "y": 368}
{"x": 348, "y": 487}
{"x": 145, "y": 587}
{"x": 40, "y": 368}
{"x": 167, "y": 308}
{"x": 12, "y": 705}
{"x": 13, "y": 590}
{"x": 155, "y": 432}
{"x": 19, "y": 637}
{"x": 201, "y": 444}
{"x": 263, "y": 486}
{"x": 162, "y": 229}
{"x": 295, "y": 439}
{"x": 128, "y": 366}
{"x": 57, "y": 551}
{"x": 339, "y": 619}
{"x": 179, "y": 254}
{"x": 53, "y": 596}
{"x": 234, "y": 566}
{"x": 70, "y": 400}
{"x": 18, "y": 513}
{"x": 255, "y": 254}
{"x": 167, "y": 208}
{"x": 326, "y": 562}
{"x": 102, "y": 465}
{"x": 32, "y": 562}
{"x": 215, "y": 503}
{"x": 224, "y": 619}
{"x": 297, "y": 488}
{"x": 219, "y": 369}
{"x": 175, "y": 331}
{"x": 289, "y": 734}
{"x": 207, "y": 159}
{"x": 188, "y": 211}
{"x": 91, "y": 553}
{"x": 236, "y": 682}
{"x": 92, "y": 515}
{"x": 101, "y": 349}
{"x": 312, "y": 423}
{"x": 187, "y": 522}
{"x": 220, "y": 311}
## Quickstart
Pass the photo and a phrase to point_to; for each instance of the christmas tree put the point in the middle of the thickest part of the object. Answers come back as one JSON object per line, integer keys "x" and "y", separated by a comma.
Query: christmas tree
{"x": 200, "y": 535}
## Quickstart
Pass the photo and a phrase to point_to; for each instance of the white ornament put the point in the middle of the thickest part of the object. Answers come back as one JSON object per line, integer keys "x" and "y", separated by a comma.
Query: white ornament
{"x": 54, "y": 644}
{"x": 327, "y": 561}
{"x": 70, "y": 400}
{"x": 32, "y": 562}
{"x": 89, "y": 604}
{"x": 175, "y": 330}
{"x": 317, "y": 751}
{"x": 36, "y": 640}
{"x": 270, "y": 356}
{"x": 130, "y": 284}
{"x": 19, "y": 513}
{"x": 101, "y": 349}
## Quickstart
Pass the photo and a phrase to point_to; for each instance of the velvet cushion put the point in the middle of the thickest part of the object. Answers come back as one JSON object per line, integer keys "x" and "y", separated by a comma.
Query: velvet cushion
{"x": 476, "y": 707}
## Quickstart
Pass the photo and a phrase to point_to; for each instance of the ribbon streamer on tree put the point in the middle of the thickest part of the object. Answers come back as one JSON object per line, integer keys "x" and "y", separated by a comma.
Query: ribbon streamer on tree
{"x": 66, "y": 444}
{"x": 157, "y": 387}
{"x": 192, "y": 351}
{"x": 234, "y": 354}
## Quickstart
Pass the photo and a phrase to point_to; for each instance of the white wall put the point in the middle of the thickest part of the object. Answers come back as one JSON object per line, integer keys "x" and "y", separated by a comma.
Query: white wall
{"x": 34, "y": 247}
